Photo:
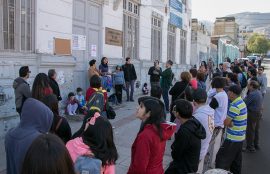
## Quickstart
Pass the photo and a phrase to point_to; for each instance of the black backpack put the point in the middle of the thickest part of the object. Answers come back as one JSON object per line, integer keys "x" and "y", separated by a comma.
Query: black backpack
{"x": 243, "y": 83}
{"x": 96, "y": 101}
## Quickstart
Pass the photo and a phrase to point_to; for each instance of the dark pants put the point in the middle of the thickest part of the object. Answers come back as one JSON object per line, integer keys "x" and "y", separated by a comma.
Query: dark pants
{"x": 118, "y": 92}
{"x": 19, "y": 110}
{"x": 253, "y": 126}
{"x": 229, "y": 157}
{"x": 130, "y": 85}
{"x": 154, "y": 84}
{"x": 165, "y": 95}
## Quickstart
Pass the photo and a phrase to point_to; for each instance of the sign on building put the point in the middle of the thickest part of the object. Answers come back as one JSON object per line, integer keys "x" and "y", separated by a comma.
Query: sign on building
{"x": 113, "y": 37}
{"x": 78, "y": 42}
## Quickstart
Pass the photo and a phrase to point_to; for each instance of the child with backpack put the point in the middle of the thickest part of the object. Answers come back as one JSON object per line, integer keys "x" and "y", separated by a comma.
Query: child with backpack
{"x": 94, "y": 151}
{"x": 72, "y": 104}
{"x": 96, "y": 96}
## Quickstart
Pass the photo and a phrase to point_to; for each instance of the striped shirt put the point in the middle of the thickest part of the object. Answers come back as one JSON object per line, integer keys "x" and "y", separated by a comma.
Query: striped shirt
{"x": 238, "y": 113}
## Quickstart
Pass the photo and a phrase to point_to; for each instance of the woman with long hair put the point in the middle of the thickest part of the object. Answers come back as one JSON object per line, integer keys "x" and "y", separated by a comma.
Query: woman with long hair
{"x": 105, "y": 75}
{"x": 47, "y": 155}
{"x": 149, "y": 145}
{"x": 178, "y": 90}
{"x": 95, "y": 142}
{"x": 60, "y": 126}
{"x": 41, "y": 86}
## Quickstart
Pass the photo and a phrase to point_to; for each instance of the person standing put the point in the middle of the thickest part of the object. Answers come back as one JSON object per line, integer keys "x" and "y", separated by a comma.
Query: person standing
{"x": 166, "y": 83}
{"x": 155, "y": 72}
{"x": 21, "y": 88}
{"x": 118, "y": 83}
{"x": 210, "y": 65}
{"x": 53, "y": 83}
{"x": 205, "y": 115}
{"x": 219, "y": 103}
{"x": 262, "y": 79}
{"x": 92, "y": 69}
{"x": 187, "y": 144}
{"x": 254, "y": 101}
{"x": 229, "y": 156}
{"x": 130, "y": 77}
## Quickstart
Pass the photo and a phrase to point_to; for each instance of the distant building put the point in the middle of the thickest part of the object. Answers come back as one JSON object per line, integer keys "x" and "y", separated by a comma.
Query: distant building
{"x": 227, "y": 26}
{"x": 200, "y": 43}
{"x": 263, "y": 31}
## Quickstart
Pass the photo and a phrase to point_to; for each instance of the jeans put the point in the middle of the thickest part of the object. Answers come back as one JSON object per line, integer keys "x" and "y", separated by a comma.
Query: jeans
{"x": 118, "y": 92}
{"x": 229, "y": 157}
{"x": 130, "y": 85}
{"x": 165, "y": 95}
{"x": 253, "y": 126}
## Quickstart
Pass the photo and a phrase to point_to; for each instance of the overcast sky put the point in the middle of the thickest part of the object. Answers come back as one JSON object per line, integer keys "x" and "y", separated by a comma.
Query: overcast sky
{"x": 210, "y": 9}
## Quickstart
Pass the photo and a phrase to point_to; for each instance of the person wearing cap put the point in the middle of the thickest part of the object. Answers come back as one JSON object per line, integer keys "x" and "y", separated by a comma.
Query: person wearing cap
{"x": 21, "y": 88}
{"x": 229, "y": 156}
{"x": 205, "y": 115}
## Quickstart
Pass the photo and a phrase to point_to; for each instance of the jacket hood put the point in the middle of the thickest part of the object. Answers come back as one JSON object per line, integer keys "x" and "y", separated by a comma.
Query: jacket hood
{"x": 206, "y": 109}
{"x": 36, "y": 115}
{"x": 168, "y": 129}
{"x": 195, "y": 127}
{"x": 18, "y": 81}
{"x": 77, "y": 148}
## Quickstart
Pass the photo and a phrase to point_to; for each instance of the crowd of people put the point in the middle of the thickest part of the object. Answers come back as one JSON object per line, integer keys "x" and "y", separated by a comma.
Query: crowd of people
{"x": 210, "y": 126}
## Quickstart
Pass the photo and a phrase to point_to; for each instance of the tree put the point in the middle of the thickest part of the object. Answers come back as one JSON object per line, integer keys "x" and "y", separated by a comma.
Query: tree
{"x": 258, "y": 44}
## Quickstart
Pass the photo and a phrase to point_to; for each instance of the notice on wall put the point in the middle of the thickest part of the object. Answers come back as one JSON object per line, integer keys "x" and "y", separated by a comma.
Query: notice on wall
{"x": 113, "y": 37}
{"x": 93, "y": 50}
{"x": 78, "y": 42}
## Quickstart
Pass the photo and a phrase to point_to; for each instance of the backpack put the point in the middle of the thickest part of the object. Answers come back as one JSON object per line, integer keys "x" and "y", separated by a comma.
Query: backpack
{"x": 96, "y": 101}
{"x": 87, "y": 165}
{"x": 243, "y": 82}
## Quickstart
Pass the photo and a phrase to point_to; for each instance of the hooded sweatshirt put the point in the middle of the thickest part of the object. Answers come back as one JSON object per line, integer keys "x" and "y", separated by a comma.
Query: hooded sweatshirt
{"x": 186, "y": 148}
{"x": 205, "y": 115}
{"x": 148, "y": 149}
{"x": 36, "y": 118}
{"x": 21, "y": 90}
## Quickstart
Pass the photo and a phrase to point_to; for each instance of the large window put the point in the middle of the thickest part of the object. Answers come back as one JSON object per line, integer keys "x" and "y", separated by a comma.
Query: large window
{"x": 17, "y": 24}
{"x": 183, "y": 46}
{"x": 130, "y": 28}
{"x": 156, "y": 38}
{"x": 171, "y": 42}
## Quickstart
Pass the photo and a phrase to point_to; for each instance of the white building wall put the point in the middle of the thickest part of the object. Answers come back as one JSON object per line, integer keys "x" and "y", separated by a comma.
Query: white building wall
{"x": 112, "y": 18}
{"x": 53, "y": 19}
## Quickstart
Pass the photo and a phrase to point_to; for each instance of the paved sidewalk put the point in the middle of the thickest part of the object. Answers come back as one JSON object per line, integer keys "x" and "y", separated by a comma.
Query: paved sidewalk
{"x": 126, "y": 127}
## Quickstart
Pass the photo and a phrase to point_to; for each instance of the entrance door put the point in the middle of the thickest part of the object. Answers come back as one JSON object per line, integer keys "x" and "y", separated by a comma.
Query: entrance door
{"x": 87, "y": 21}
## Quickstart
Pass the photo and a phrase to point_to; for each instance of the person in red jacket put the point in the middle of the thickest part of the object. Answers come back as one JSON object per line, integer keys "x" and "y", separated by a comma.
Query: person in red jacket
{"x": 149, "y": 146}
{"x": 95, "y": 85}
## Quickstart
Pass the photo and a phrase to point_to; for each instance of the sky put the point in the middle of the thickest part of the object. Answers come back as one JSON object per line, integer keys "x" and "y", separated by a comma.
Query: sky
{"x": 210, "y": 9}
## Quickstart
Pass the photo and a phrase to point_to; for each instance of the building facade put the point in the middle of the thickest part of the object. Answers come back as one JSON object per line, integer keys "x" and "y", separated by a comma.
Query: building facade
{"x": 200, "y": 43}
{"x": 227, "y": 26}
{"x": 67, "y": 34}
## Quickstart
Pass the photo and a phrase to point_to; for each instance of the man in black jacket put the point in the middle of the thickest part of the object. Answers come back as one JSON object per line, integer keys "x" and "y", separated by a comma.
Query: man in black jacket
{"x": 54, "y": 85}
{"x": 155, "y": 73}
{"x": 130, "y": 77}
{"x": 187, "y": 144}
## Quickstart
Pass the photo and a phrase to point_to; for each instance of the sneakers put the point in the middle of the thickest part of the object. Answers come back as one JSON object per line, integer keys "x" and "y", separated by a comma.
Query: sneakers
{"x": 249, "y": 150}
{"x": 70, "y": 113}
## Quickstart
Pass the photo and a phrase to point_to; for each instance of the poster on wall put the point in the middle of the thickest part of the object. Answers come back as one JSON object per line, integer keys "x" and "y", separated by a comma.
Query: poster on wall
{"x": 78, "y": 42}
{"x": 93, "y": 50}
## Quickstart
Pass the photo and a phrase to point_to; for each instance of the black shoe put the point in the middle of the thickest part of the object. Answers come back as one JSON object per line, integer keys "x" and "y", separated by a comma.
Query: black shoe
{"x": 250, "y": 150}
{"x": 257, "y": 147}
{"x": 131, "y": 100}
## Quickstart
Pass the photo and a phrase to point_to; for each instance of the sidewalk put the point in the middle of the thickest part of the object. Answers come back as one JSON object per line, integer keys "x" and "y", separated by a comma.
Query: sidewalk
{"x": 125, "y": 131}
